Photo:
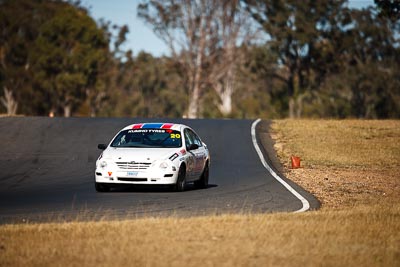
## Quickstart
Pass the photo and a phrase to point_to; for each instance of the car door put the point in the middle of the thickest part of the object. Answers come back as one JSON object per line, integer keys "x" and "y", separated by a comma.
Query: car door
{"x": 199, "y": 155}
{"x": 190, "y": 156}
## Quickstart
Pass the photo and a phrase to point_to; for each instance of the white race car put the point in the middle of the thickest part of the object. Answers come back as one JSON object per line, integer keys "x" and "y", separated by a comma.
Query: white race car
{"x": 153, "y": 154}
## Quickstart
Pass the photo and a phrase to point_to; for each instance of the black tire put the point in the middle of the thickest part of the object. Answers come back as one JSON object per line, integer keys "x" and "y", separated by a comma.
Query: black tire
{"x": 100, "y": 187}
{"x": 181, "y": 181}
{"x": 203, "y": 181}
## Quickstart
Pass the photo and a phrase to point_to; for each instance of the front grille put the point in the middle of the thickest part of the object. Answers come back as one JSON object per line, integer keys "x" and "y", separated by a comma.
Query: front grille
{"x": 133, "y": 165}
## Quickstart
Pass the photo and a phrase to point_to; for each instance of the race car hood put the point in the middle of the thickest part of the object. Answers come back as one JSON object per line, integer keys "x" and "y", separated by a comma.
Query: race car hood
{"x": 138, "y": 154}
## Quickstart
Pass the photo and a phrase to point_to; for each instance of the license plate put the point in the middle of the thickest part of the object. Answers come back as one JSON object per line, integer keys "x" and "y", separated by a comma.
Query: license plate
{"x": 134, "y": 174}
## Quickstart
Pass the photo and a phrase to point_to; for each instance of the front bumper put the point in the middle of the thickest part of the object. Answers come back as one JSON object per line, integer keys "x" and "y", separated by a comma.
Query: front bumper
{"x": 156, "y": 177}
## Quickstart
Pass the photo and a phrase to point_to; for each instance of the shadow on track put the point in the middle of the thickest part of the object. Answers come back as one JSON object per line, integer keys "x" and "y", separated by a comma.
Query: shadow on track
{"x": 152, "y": 188}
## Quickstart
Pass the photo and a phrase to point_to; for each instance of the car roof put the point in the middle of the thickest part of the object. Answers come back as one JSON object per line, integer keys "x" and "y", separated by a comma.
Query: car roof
{"x": 156, "y": 125}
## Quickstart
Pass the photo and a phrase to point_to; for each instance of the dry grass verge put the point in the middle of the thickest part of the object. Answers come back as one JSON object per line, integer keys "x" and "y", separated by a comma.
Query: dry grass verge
{"x": 345, "y": 163}
{"x": 360, "y": 237}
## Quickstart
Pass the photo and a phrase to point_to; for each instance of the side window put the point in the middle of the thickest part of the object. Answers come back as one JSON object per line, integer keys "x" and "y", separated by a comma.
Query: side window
{"x": 194, "y": 138}
{"x": 188, "y": 138}
{"x": 198, "y": 141}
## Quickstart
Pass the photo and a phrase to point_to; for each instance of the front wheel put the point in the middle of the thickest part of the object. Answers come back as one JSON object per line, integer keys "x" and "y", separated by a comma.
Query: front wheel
{"x": 181, "y": 181}
{"x": 203, "y": 181}
{"x": 100, "y": 187}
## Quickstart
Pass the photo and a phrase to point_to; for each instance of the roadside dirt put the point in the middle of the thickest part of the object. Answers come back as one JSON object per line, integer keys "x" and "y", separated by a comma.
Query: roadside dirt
{"x": 340, "y": 186}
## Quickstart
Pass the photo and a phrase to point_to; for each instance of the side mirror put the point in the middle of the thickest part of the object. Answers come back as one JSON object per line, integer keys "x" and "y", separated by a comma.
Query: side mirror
{"x": 193, "y": 147}
{"x": 101, "y": 146}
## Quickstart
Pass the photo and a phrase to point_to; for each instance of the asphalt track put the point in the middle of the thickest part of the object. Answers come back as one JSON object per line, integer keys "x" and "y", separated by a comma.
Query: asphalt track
{"x": 47, "y": 173}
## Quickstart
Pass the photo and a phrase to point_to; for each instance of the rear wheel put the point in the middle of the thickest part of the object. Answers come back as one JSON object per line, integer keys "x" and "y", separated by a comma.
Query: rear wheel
{"x": 203, "y": 181}
{"x": 181, "y": 181}
{"x": 100, "y": 187}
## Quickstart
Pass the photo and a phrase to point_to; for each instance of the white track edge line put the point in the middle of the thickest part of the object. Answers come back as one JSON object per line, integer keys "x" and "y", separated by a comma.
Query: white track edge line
{"x": 306, "y": 204}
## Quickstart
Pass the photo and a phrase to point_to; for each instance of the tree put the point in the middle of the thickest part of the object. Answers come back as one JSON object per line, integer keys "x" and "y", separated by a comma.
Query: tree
{"x": 9, "y": 102}
{"x": 296, "y": 29}
{"x": 257, "y": 93}
{"x": 231, "y": 25}
{"x": 202, "y": 35}
{"x": 389, "y": 9}
{"x": 48, "y": 49}
{"x": 370, "y": 65}
{"x": 69, "y": 52}
{"x": 184, "y": 26}
{"x": 19, "y": 24}
{"x": 143, "y": 86}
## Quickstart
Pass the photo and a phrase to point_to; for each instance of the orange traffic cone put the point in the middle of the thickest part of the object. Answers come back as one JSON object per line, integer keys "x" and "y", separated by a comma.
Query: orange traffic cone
{"x": 295, "y": 162}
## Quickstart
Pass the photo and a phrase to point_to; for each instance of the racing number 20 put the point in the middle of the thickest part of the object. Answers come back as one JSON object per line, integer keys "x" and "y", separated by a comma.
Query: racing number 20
{"x": 173, "y": 136}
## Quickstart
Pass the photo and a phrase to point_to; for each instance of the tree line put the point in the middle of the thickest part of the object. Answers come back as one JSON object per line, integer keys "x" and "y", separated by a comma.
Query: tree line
{"x": 228, "y": 58}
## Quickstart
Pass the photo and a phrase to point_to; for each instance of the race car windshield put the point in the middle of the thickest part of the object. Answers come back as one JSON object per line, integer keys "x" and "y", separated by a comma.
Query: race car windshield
{"x": 148, "y": 138}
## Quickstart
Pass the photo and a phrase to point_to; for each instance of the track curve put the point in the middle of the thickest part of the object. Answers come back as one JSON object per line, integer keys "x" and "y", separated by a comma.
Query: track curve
{"x": 47, "y": 173}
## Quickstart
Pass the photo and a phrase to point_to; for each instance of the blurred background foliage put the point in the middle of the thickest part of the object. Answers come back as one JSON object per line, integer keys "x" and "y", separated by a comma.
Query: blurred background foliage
{"x": 314, "y": 59}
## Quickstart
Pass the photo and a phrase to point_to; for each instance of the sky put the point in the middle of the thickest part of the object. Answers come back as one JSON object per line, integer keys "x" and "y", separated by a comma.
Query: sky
{"x": 141, "y": 36}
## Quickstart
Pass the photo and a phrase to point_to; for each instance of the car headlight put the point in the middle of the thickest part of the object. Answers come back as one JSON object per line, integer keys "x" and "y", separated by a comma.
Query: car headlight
{"x": 163, "y": 165}
{"x": 103, "y": 164}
